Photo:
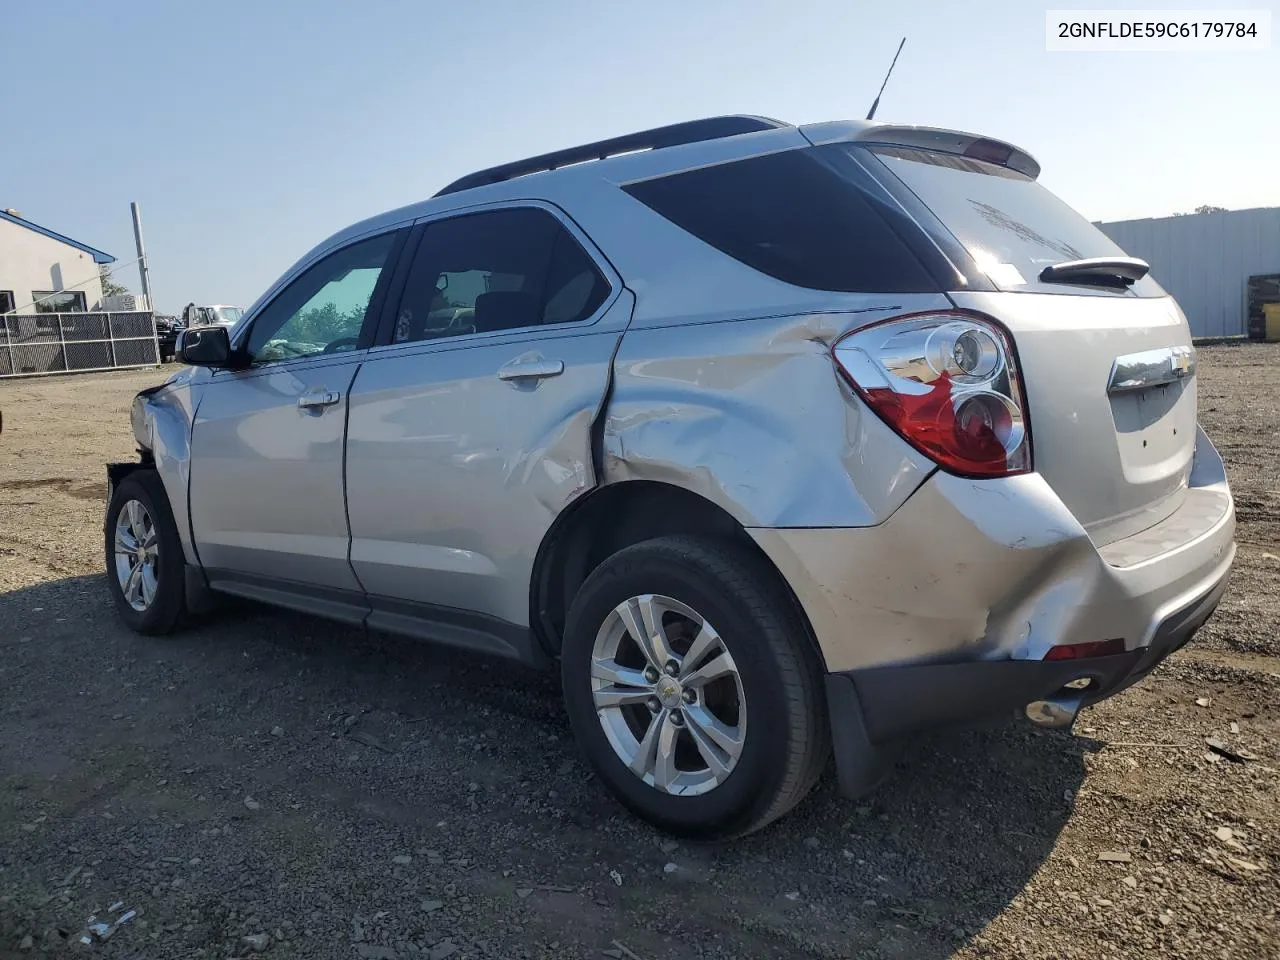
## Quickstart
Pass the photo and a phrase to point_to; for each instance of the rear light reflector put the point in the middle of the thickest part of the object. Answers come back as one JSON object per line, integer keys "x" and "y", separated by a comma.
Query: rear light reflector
{"x": 948, "y": 383}
{"x": 1080, "y": 651}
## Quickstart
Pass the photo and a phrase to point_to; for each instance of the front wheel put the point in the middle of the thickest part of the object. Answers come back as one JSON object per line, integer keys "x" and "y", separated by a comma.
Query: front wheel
{"x": 693, "y": 688}
{"x": 145, "y": 563}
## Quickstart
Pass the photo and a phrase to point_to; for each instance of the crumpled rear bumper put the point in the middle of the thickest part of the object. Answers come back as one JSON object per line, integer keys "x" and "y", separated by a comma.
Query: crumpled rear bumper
{"x": 996, "y": 570}
{"x": 879, "y": 706}
{"x": 944, "y": 613}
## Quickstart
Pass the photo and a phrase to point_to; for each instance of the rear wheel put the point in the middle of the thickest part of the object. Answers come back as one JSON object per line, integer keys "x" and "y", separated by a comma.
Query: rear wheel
{"x": 144, "y": 555}
{"x": 692, "y": 687}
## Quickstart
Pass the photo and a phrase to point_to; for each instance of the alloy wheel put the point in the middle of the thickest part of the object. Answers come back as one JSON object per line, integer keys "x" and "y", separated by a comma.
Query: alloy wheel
{"x": 137, "y": 554}
{"x": 668, "y": 695}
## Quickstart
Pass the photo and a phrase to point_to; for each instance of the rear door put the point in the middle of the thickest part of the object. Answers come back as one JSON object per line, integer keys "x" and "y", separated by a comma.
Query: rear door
{"x": 1108, "y": 366}
{"x": 470, "y": 427}
{"x": 267, "y": 501}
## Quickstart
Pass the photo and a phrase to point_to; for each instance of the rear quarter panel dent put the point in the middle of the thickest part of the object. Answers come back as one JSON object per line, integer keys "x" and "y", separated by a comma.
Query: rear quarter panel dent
{"x": 753, "y": 416}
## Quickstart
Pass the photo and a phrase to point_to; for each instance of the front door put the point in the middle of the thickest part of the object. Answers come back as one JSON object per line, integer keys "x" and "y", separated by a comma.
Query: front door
{"x": 470, "y": 430}
{"x": 267, "y": 504}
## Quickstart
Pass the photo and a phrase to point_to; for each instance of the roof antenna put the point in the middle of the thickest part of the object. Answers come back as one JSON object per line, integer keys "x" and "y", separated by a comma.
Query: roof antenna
{"x": 872, "y": 112}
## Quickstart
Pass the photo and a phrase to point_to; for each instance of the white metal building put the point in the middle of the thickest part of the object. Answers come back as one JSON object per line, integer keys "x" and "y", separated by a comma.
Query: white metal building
{"x": 1206, "y": 261}
{"x": 43, "y": 272}
{"x": 52, "y": 318}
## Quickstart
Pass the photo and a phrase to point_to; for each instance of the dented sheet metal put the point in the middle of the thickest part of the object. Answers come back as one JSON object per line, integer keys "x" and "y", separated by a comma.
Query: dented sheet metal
{"x": 990, "y": 570}
{"x": 753, "y": 416}
{"x": 161, "y": 419}
{"x": 456, "y": 473}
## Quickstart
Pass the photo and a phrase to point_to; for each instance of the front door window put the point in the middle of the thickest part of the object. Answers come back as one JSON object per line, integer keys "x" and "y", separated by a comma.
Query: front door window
{"x": 324, "y": 309}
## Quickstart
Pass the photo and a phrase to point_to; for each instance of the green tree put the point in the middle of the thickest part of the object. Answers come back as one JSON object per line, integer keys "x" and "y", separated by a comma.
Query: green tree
{"x": 109, "y": 287}
{"x": 325, "y": 324}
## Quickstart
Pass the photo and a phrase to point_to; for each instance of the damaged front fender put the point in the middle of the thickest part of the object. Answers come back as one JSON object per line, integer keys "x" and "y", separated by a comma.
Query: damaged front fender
{"x": 161, "y": 419}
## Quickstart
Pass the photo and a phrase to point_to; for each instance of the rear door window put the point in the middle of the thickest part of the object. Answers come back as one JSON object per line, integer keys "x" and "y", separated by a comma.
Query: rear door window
{"x": 793, "y": 217}
{"x": 495, "y": 271}
{"x": 1011, "y": 225}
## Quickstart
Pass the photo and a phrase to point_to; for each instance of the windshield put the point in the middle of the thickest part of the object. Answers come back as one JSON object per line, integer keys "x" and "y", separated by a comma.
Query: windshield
{"x": 228, "y": 314}
{"x": 1011, "y": 225}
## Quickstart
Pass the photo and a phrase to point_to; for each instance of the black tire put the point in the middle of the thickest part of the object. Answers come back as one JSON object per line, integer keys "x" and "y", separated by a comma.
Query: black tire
{"x": 787, "y": 740}
{"x": 168, "y": 608}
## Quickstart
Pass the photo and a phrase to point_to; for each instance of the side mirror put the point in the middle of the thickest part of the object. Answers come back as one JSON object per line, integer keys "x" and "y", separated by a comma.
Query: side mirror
{"x": 205, "y": 347}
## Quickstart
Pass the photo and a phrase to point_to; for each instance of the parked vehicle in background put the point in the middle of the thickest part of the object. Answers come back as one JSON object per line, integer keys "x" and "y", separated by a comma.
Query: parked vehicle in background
{"x": 167, "y": 330}
{"x": 776, "y": 439}
{"x": 218, "y": 314}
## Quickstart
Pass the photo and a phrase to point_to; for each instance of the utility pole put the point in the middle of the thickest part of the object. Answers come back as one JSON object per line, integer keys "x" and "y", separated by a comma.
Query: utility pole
{"x": 144, "y": 272}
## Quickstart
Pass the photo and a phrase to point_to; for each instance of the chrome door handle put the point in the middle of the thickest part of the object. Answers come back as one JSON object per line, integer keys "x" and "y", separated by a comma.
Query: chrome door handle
{"x": 321, "y": 398}
{"x": 531, "y": 369}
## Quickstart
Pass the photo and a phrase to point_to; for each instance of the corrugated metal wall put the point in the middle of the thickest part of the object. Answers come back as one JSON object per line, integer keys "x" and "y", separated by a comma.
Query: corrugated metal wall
{"x": 1205, "y": 260}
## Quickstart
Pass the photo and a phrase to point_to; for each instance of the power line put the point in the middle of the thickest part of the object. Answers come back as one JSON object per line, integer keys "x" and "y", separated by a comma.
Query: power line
{"x": 56, "y": 293}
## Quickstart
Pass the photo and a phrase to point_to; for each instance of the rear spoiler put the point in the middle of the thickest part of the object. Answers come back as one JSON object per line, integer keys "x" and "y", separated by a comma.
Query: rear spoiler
{"x": 926, "y": 138}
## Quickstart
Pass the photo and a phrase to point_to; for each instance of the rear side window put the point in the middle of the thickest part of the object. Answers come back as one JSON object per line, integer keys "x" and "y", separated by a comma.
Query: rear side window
{"x": 793, "y": 217}
{"x": 497, "y": 270}
{"x": 1011, "y": 225}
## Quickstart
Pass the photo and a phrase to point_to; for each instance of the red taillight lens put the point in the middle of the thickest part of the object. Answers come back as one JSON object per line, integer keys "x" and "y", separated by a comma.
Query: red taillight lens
{"x": 949, "y": 384}
{"x": 1079, "y": 651}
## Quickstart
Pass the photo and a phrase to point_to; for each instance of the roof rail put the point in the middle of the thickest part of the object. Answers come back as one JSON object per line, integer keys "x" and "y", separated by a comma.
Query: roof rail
{"x": 677, "y": 134}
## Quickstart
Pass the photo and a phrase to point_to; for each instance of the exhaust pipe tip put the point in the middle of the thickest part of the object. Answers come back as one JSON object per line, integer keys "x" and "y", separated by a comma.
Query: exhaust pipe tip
{"x": 1051, "y": 713}
{"x": 1059, "y": 711}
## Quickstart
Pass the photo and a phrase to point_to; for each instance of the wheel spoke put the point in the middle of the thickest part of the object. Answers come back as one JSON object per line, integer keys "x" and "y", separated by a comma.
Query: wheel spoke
{"x": 125, "y": 543}
{"x": 132, "y": 585}
{"x": 713, "y": 669}
{"x": 627, "y": 684}
{"x": 619, "y": 696}
{"x": 664, "y": 768}
{"x": 150, "y": 539}
{"x": 616, "y": 673}
{"x": 727, "y": 738}
{"x": 643, "y": 621}
{"x": 716, "y": 743}
{"x": 148, "y": 580}
{"x": 136, "y": 523}
{"x": 706, "y": 641}
{"x": 647, "y": 755}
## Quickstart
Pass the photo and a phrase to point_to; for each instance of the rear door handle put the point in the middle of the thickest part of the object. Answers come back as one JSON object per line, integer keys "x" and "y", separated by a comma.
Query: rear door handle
{"x": 531, "y": 369}
{"x": 318, "y": 399}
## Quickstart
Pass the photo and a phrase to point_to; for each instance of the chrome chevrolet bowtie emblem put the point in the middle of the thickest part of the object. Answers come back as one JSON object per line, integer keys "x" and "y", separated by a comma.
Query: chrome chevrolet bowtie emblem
{"x": 1183, "y": 361}
{"x": 669, "y": 692}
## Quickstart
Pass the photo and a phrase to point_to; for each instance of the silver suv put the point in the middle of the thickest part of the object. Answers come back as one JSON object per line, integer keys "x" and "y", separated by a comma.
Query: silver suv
{"x": 778, "y": 441}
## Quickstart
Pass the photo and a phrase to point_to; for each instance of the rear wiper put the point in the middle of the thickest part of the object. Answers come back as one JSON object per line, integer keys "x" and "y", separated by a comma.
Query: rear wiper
{"x": 1101, "y": 271}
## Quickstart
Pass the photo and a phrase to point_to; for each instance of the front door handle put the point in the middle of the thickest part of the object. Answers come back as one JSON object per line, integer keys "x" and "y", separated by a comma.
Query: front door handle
{"x": 318, "y": 399}
{"x": 531, "y": 369}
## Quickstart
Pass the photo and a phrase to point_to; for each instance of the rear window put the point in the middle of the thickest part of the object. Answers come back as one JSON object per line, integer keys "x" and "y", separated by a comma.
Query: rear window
{"x": 793, "y": 217}
{"x": 1011, "y": 225}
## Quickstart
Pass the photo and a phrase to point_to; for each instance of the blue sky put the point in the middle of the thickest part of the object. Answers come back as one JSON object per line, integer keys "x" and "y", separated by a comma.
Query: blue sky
{"x": 248, "y": 131}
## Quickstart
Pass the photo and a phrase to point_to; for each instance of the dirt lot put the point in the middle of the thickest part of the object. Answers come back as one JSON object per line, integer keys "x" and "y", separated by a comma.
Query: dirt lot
{"x": 332, "y": 795}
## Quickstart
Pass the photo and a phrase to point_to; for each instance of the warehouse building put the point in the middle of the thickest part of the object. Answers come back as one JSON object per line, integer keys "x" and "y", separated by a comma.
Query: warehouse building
{"x": 1222, "y": 266}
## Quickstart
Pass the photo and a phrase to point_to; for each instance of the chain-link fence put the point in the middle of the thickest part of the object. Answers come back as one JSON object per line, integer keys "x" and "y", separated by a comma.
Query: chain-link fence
{"x": 42, "y": 343}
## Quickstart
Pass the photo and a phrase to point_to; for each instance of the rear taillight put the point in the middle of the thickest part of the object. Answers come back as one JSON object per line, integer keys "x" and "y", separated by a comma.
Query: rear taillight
{"x": 949, "y": 384}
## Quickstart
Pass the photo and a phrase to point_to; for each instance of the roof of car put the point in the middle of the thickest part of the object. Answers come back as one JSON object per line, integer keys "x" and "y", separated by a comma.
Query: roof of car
{"x": 651, "y": 153}
{"x": 673, "y": 135}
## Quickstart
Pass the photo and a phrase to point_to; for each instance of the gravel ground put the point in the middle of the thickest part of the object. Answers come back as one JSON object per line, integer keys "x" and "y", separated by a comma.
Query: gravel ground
{"x": 270, "y": 783}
